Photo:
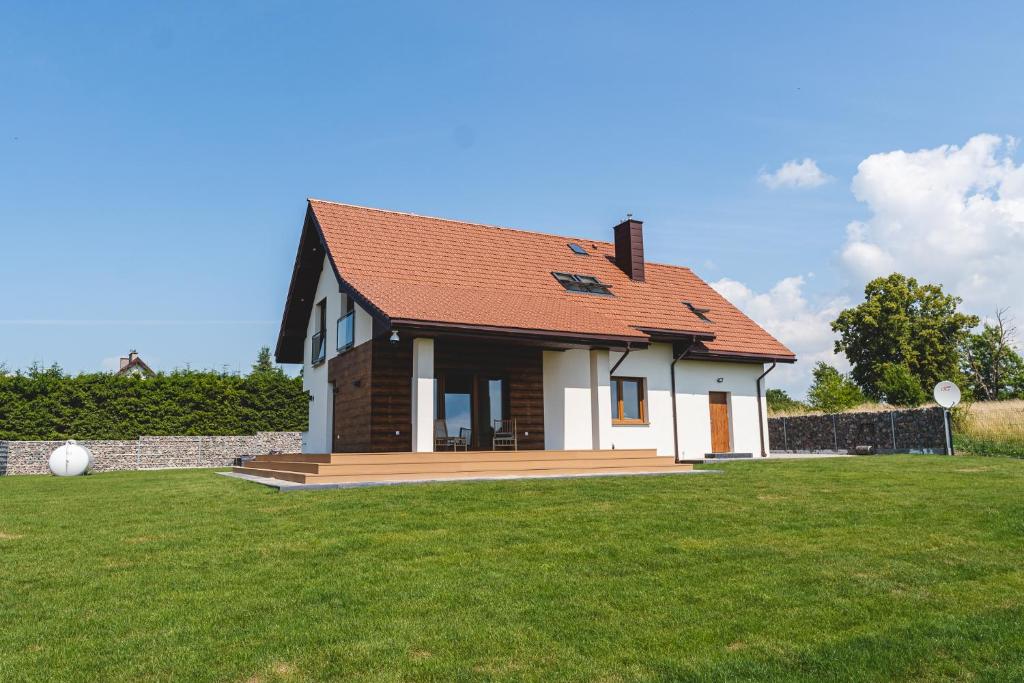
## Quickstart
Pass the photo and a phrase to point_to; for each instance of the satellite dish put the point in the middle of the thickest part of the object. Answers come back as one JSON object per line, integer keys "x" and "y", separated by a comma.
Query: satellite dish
{"x": 946, "y": 394}
{"x": 70, "y": 460}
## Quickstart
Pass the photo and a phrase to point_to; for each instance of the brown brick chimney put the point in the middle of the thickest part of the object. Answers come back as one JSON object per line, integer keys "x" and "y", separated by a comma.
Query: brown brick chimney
{"x": 629, "y": 247}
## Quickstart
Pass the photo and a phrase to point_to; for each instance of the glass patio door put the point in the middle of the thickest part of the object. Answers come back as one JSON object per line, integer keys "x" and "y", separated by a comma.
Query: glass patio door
{"x": 472, "y": 401}
{"x": 455, "y": 404}
{"x": 493, "y": 405}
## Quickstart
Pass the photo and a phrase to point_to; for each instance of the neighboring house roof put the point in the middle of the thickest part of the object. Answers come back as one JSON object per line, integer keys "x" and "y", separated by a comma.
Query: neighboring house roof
{"x": 415, "y": 270}
{"x": 132, "y": 364}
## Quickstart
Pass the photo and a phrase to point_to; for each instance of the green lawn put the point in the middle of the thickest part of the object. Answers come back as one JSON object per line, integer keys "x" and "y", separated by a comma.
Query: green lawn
{"x": 877, "y": 568}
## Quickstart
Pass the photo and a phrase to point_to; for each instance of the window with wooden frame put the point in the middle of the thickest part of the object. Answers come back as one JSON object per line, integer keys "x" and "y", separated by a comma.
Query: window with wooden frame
{"x": 629, "y": 400}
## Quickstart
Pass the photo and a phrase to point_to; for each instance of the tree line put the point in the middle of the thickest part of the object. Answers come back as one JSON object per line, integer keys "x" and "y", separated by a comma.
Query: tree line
{"x": 902, "y": 340}
{"x": 49, "y": 404}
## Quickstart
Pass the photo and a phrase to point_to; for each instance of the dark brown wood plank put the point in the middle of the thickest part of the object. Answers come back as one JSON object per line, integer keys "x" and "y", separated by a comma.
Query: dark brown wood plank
{"x": 350, "y": 374}
{"x": 391, "y": 400}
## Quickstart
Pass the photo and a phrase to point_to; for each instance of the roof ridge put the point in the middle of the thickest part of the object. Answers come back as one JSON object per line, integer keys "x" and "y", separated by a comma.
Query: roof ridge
{"x": 461, "y": 222}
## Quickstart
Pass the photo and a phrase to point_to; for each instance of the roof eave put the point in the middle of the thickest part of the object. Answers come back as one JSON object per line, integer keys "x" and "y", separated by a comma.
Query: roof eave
{"x": 742, "y": 357}
{"x": 302, "y": 288}
{"x": 657, "y": 334}
{"x": 533, "y": 336}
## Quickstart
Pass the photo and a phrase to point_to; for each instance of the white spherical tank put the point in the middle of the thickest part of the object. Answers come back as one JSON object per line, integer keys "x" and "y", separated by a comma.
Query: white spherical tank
{"x": 70, "y": 460}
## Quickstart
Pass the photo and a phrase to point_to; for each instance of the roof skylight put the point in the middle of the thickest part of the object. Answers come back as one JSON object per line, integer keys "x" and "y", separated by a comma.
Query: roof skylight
{"x": 698, "y": 311}
{"x": 587, "y": 284}
{"x": 577, "y": 249}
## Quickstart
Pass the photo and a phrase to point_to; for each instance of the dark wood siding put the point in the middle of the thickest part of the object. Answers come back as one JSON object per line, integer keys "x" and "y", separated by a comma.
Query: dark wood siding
{"x": 522, "y": 366}
{"x": 391, "y": 401}
{"x": 373, "y": 390}
{"x": 350, "y": 374}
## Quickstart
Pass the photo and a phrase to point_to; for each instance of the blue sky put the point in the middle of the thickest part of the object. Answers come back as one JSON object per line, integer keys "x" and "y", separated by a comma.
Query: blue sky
{"x": 154, "y": 161}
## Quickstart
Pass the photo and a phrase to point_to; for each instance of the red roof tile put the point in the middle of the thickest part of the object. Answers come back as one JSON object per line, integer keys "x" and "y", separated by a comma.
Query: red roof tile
{"x": 443, "y": 271}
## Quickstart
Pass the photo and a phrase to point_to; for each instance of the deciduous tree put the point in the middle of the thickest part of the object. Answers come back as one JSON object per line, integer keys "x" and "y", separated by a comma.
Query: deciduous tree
{"x": 780, "y": 401}
{"x": 902, "y": 322}
{"x": 898, "y": 386}
{"x": 993, "y": 367}
{"x": 832, "y": 391}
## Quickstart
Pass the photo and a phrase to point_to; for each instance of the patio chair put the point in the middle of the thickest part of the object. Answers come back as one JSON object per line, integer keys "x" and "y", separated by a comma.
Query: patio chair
{"x": 463, "y": 439}
{"x": 505, "y": 435}
{"x": 441, "y": 438}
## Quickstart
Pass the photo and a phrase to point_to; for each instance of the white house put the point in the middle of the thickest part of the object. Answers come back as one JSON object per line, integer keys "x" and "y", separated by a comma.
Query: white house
{"x": 410, "y": 327}
{"x": 133, "y": 366}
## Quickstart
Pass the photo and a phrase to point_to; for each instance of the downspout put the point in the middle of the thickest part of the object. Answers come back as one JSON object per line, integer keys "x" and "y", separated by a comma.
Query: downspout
{"x": 760, "y": 415}
{"x": 611, "y": 373}
{"x": 675, "y": 418}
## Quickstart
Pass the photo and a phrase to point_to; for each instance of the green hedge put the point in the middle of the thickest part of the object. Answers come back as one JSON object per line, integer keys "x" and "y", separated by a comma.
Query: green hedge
{"x": 45, "y": 404}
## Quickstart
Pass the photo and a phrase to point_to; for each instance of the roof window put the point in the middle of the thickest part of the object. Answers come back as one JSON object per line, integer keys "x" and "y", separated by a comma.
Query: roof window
{"x": 698, "y": 311}
{"x": 587, "y": 284}
{"x": 577, "y": 249}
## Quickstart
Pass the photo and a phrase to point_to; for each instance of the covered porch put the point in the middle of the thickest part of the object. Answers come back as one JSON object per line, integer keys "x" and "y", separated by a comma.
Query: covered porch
{"x": 427, "y": 390}
{"x": 474, "y": 396}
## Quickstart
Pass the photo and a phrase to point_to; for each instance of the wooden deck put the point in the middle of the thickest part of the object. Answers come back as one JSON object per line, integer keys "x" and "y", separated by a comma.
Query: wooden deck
{"x": 342, "y": 468}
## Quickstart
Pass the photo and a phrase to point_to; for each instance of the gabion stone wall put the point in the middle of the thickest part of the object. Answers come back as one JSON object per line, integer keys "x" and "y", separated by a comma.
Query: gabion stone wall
{"x": 150, "y": 452}
{"x": 897, "y": 431}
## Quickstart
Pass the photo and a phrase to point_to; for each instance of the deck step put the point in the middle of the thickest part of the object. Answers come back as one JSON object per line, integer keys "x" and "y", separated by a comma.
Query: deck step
{"x": 298, "y": 477}
{"x": 336, "y": 478}
{"x": 454, "y": 456}
{"x": 459, "y": 466}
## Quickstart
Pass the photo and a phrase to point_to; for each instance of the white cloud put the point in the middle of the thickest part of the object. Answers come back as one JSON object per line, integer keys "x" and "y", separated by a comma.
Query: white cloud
{"x": 798, "y": 174}
{"x": 950, "y": 215}
{"x": 787, "y": 314}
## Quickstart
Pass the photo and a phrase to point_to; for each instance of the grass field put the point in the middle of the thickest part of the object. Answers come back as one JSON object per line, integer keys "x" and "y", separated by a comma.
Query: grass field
{"x": 877, "y": 568}
{"x": 991, "y": 428}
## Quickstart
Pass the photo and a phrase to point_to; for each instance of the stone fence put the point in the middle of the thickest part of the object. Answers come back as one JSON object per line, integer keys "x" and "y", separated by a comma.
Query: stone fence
{"x": 918, "y": 430}
{"x": 150, "y": 452}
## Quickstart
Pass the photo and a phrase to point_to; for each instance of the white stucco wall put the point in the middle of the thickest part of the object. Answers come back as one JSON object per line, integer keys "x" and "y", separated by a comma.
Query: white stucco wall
{"x": 314, "y": 378}
{"x": 694, "y": 379}
{"x": 652, "y": 364}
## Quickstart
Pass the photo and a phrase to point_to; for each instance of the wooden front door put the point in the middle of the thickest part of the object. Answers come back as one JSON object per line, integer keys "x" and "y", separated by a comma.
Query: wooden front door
{"x": 719, "y": 403}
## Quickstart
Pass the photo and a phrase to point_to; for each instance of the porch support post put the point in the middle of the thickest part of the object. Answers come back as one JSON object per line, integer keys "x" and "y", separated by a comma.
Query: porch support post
{"x": 600, "y": 399}
{"x": 567, "y": 400}
{"x": 422, "y": 395}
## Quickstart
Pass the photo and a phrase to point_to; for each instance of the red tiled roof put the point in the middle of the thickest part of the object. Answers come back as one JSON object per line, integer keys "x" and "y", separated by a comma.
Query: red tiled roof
{"x": 437, "y": 270}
